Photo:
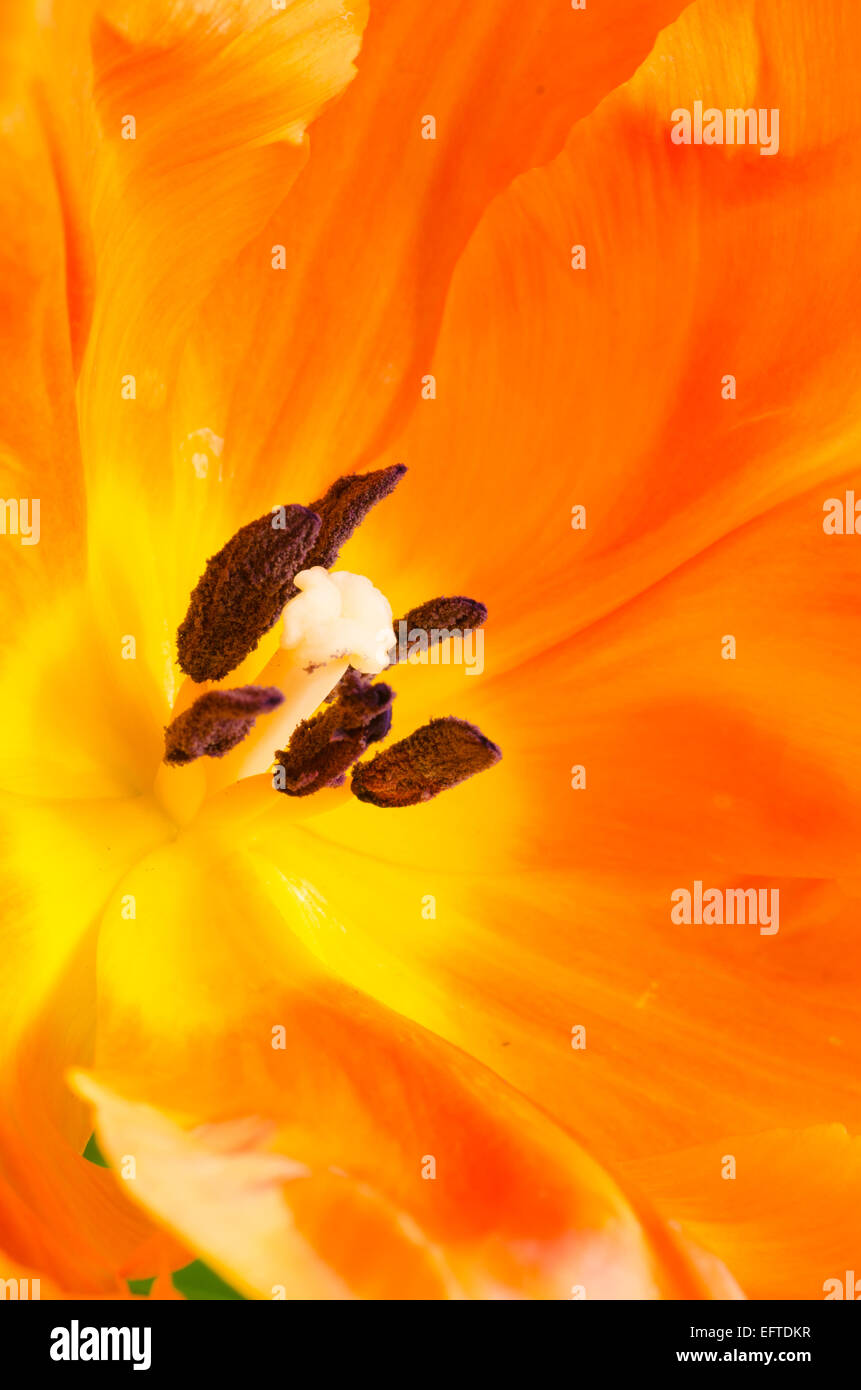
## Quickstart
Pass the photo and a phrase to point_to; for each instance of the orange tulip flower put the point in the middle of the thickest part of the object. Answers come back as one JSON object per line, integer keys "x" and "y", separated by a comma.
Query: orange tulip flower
{"x": 404, "y": 1031}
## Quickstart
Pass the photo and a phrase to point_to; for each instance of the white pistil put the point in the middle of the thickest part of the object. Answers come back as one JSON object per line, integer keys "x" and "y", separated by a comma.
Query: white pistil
{"x": 338, "y": 616}
{"x": 335, "y": 621}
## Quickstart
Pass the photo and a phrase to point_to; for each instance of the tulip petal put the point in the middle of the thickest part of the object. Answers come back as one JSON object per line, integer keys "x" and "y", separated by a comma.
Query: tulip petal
{"x": 62, "y": 862}
{"x": 605, "y": 387}
{"x": 333, "y": 356}
{"x": 506, "y": 965}
{"x": 354, "y": 1096}
{"x": 44, "y": 310}
{"x": 59, "y": 1214}
{"x": 778, "y": 1246}
{"x": 640, "y": 1036}
{"x": 203, "y": 114}
{"x": 67, "y": 1222}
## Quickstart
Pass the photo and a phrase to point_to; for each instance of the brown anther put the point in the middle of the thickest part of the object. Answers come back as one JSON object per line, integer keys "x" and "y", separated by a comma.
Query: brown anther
{"x": 345, "y": 506}
{"x": 427, "y": 762}
{"x": 324, "y": 747}
{"x": 217, "y": 722}
{"x": 242, "y": 591}
{"x": 437, "y": 619}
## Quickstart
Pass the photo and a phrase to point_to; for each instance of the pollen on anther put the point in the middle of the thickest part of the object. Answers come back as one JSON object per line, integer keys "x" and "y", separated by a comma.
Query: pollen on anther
{"x": 344, "y": 507}
{"x": 217, "y": 722}
{"x": 429, "y": 761}
{"x": 323, "y": 748}
{"x": 243, "y": 590}
{"x": 439, "y": 618}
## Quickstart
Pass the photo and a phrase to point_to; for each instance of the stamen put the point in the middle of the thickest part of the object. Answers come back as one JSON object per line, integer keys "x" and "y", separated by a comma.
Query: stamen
{"x": 324, "y": 747}
{"x": 429, "y": 761}
{"x": 438, "y": 618}
{"x": 242, "y": 591}
{"x": 335, "y": 620}
{"x": 345, "y": 506}
{"x": 217, "y": 722}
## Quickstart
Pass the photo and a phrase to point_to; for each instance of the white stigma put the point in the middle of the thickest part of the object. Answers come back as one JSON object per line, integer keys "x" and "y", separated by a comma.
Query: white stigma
{"x": 338, "y": 617}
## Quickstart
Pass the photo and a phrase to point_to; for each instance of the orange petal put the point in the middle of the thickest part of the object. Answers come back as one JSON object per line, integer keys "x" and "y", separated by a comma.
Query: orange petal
{"x": 602, "y": 387}
{"x": 280, "y": 1228}
{"x": 44, "y": 294}
{"x": 220, "y": 106}
{"x": 506, "y": 964}
{"x": 221, "y": 100}
{"x": 695, "y": 763}
{"x": 357, "y": 1097}
{"x": 59, "y": 1214}
{"x": 65, "y": 1219}
{"x": 334, "y": 353}
{"x": 778, "y": 1246}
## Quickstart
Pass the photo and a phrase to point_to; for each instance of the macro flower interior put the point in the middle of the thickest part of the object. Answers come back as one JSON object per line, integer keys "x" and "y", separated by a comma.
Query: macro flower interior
{"x": 516, "y": 962}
